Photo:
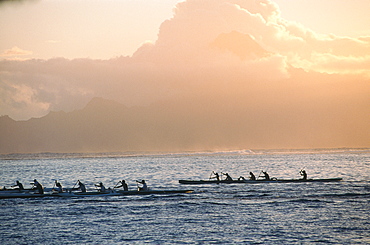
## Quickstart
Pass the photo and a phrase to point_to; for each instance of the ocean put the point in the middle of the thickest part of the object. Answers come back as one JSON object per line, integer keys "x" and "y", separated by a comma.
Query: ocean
{"x": 263, "y": 213}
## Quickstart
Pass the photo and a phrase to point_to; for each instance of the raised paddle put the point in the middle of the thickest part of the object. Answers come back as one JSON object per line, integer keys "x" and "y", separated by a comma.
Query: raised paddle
{"x": 211, "y": 174}
{"x": 74, "y": 185}
{"x": 116, "y": 184}
{"x": 54, "y": 185}
{"x": 259, "y": 175}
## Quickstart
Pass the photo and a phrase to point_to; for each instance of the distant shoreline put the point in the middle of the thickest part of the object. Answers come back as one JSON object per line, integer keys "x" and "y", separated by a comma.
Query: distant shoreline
{"x": 55, "y": 155}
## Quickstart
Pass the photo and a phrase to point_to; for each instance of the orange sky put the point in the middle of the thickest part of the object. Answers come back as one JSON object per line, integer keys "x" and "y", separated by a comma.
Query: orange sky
{"x": 197, "y": 48}
{"x": 106, "y": 29}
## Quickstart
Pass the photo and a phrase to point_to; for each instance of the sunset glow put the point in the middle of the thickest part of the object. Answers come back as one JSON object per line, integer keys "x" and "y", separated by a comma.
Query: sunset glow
{"x": 267, "y": 70}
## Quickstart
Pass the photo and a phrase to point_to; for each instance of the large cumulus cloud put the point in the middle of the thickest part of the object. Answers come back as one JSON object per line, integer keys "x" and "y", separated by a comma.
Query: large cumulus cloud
{"x": 184, "y": 62}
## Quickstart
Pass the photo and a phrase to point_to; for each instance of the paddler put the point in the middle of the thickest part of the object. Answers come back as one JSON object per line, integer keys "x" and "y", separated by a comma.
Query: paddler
{"x": 81, "y": 186}
{"x": 216, "y": 176}
{"x": 303, "y": 174}
{"x": 101, "y": 187}
{"x": 38, "y": 187}
{"x": 228, "y": 177}
{"x": 266, "y": 175}
{"x": 59, "y": 186}
{"x": 123, "y": 185}
{"x": 144, "y": 187}
{"x": 251, "y": 176}
{"x": 19, "y": 185}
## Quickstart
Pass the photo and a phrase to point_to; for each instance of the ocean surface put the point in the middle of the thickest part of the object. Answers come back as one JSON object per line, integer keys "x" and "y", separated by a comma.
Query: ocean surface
{"x": 266, "y": 213}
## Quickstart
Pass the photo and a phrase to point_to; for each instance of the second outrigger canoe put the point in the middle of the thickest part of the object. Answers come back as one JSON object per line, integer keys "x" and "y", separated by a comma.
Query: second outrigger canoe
{"x": 245, "y": 181}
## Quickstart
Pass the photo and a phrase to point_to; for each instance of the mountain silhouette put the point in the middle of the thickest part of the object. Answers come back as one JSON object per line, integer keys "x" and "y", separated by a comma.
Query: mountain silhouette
{"x": 226, "y": 120}
{"x": 101, "y": 126}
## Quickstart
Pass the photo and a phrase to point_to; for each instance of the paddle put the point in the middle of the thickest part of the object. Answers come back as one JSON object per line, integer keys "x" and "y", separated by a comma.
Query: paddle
{"x": 222, "y": 174}
{"x": 96, "y": 186}
{"x": 116, "y": 184}
{"x": 215, "y": 175}
{"x": 259, "y": 175}
{"x": 262, "y": 172}
{"x": 74, "y": 185}
{"x": 7, "y": 188}
{"x": 210, "y": 176}
{"x": 10, "y": 187}
{"x": 54, "y": 185}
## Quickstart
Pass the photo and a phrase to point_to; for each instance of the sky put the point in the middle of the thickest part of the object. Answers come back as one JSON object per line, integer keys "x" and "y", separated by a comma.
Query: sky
{"x": 79, "y": 29}
{"x": 304, "y": 55}
{"x": 97, "y": 29}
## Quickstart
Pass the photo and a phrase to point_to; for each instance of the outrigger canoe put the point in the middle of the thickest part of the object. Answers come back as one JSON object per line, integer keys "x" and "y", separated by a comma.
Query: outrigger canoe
{"x": 90, "y": 193}
{"x": 245, "y": 181}
{"x": 122, "y": 193}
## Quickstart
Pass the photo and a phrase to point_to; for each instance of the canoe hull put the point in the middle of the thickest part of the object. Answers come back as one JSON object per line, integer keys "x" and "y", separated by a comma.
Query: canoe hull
{"x": 121, "y": 193}
{"x": 22, "y": 195}
{"x": 153, "y": 192}
{"x": 199, "y": 182}
{"x": 91, "y": 193}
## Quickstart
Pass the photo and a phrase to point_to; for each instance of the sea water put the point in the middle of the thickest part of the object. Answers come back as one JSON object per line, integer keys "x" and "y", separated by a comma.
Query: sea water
{"x": 263, "y": 213}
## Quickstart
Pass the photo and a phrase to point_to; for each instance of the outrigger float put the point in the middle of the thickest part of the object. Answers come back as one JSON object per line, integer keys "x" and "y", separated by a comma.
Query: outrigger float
{"x": 245, "y": 181}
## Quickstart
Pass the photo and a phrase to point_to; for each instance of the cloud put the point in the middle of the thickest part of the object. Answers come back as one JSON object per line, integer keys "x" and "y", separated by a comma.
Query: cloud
{"x": 196, "y": 24}
{"x": 13, "y": 2}
{"x": 21, "y": 100}
{"x": 15, "y": 51}
{"x": 329, "y": 63}
{"x": 237, "y": 59}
